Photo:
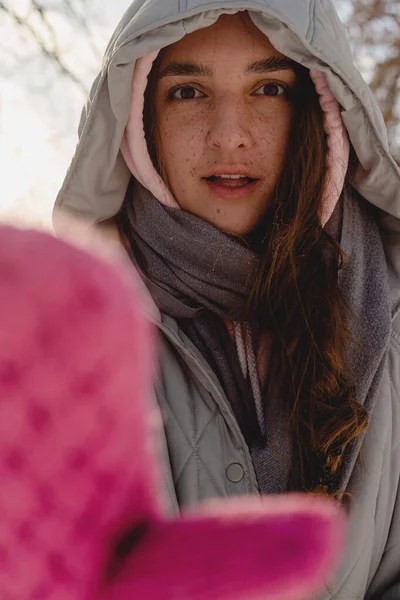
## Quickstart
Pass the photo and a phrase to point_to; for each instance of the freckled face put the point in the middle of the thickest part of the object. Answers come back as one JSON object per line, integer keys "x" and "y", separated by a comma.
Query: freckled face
{"x": 223, "y": 108}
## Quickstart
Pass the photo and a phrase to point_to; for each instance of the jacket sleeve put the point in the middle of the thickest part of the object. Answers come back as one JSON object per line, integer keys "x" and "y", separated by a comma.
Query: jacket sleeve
{"x": 386, "y": 582}
{"x": 387, "y": 578}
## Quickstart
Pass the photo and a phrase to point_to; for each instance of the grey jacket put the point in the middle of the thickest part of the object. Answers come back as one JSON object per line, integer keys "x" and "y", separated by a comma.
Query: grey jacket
{"x": 204, "y": 451}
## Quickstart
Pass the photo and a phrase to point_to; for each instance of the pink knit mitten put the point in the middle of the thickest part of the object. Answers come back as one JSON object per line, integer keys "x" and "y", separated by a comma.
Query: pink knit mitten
{"x": 82, "y": 514}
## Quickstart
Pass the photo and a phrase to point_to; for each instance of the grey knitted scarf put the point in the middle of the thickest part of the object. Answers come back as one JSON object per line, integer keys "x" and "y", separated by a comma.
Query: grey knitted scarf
{"x": 188, "y": 265}
{"x": 201, "y": 277}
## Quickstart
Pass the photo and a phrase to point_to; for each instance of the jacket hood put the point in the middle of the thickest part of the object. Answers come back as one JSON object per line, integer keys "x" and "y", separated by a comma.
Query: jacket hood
{"x": 308, "y": 31}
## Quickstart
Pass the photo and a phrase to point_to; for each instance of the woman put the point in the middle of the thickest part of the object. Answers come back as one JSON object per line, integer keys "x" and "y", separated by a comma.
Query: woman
{"x": 269, "y": 244}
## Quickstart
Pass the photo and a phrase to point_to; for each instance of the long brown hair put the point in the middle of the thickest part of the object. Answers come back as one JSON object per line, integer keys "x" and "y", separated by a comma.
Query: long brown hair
{"x": 296, "y": 297}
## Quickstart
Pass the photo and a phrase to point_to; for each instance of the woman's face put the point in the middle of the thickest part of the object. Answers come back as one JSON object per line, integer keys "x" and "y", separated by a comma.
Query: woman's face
{"x": 223, "y": 116}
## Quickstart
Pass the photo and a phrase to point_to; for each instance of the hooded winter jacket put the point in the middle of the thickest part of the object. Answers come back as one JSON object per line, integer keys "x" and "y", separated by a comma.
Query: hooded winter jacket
{"x": 204, "y": 451}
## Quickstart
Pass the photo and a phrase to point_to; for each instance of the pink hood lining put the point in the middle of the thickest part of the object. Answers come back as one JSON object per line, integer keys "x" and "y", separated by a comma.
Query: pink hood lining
{"x": 137, "y": 158}
{"x": 133, "y": 146}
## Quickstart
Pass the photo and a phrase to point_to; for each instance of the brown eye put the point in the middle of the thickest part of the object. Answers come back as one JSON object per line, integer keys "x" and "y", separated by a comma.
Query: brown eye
{"x": 186, "y": 93}
{"x": 271, "y": 89}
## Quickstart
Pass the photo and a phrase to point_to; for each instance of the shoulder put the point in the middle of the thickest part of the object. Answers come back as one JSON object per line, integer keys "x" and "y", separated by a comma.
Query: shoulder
{"x": 394, "y": 362}
{"x": 396, "y": 327}
{"x": 383, "y": 434}
{"x": 388, "y": 404}
{"x": 389, "y": 227}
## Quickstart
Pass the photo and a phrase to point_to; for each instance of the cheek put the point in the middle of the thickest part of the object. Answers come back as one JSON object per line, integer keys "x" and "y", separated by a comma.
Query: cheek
{"x": 183, "y": 135}
{"x": 274, "y": 131}
{"x": 182, "y": 141}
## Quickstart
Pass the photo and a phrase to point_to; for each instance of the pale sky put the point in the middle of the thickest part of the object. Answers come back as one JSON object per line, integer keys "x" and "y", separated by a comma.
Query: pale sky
{"x": 39, "y": 111}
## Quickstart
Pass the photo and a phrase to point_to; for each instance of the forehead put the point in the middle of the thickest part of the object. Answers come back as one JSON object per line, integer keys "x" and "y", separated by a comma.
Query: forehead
{"x": 232, "y": 39}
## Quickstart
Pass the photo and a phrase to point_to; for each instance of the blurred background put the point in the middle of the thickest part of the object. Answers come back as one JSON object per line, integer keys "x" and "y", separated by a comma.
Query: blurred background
{"x": 51, "y": 50}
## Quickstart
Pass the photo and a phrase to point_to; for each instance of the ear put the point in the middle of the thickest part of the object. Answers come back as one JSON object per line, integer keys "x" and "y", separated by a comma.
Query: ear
{"x": 280, "y": 549}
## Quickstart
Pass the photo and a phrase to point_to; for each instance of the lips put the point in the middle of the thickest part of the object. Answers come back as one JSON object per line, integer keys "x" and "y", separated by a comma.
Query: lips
{"x": 231, "y": 181}
{"x": 231, "y": 189}
{"x": 236, "y": 181}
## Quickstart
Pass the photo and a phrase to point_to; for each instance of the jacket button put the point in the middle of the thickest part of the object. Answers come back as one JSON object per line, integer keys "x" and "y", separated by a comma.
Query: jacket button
{"x": 235, "y": 472}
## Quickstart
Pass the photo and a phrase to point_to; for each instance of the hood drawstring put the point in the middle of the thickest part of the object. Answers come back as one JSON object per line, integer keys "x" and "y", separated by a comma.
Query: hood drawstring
{"x": 248, "y": 363}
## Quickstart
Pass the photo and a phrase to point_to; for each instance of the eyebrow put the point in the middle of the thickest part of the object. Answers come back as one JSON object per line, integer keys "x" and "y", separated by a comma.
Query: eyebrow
{"x": 272, "y": 63}
{"x": 187, "y": 68}
{"x": 265, "y": 65}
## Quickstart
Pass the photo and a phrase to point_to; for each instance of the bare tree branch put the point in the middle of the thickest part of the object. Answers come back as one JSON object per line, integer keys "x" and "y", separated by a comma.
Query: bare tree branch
{"x": 82, "y": 21}
{"x": 374, "y": 31}
{"x": 67, "y": 8}
{"x": 373, "y": 26}
{"x": 50, "y": 50}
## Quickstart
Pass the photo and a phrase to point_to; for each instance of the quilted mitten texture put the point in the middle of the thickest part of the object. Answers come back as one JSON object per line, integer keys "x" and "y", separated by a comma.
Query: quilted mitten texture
{"x": 75, "y": 416}
{"x": 81, "y": 508}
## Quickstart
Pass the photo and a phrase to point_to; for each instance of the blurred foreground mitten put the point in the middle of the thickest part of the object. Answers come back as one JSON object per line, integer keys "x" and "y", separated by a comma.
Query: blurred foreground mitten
{"x": 82, "y": 512}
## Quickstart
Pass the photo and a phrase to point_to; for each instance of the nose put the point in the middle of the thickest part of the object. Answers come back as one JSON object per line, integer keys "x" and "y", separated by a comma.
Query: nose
{"x": 230, "y": 126}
